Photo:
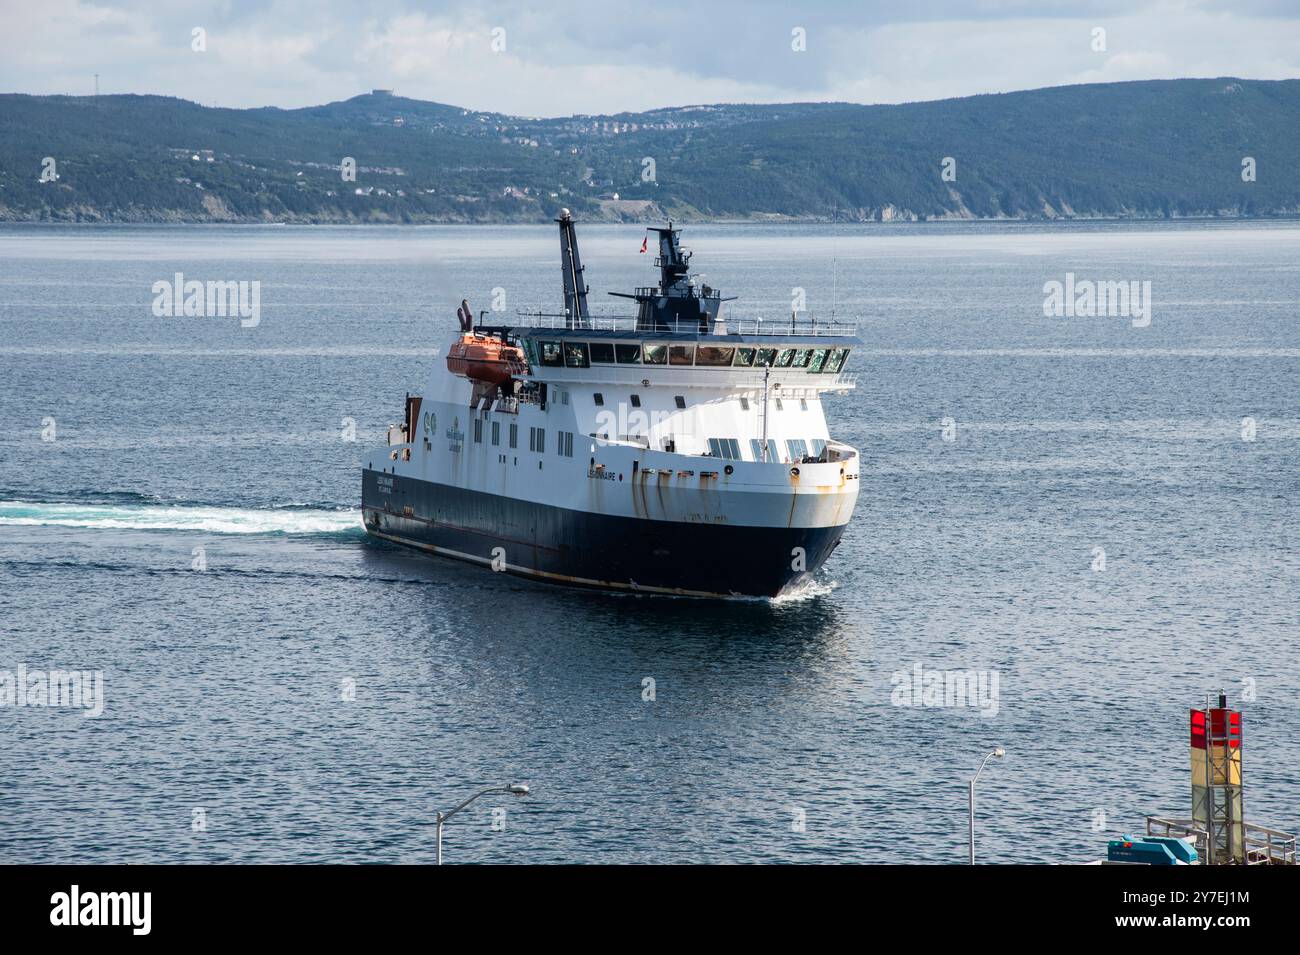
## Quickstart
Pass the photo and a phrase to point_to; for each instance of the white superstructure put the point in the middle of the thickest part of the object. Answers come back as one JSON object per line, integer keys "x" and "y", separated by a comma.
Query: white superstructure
{"x": 664, "y": 452}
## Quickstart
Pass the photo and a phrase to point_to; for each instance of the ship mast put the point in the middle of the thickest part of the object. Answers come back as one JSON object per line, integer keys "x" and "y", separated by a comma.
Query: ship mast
{"x": 674, "y": 263}
{"x": 575, "y": 289}
{"x": 675, "y": 305}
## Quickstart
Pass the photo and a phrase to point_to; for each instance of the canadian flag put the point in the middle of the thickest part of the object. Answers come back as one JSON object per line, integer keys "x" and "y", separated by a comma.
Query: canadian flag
{"x": 644, "y": 240}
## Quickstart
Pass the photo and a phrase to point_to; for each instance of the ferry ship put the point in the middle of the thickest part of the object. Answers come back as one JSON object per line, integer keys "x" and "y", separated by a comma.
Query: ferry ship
{"x": 666, "y": 451}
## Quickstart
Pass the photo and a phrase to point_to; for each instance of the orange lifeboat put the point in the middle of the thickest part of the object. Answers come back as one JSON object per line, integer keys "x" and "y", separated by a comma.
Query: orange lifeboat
{"x": 483, "y": 358}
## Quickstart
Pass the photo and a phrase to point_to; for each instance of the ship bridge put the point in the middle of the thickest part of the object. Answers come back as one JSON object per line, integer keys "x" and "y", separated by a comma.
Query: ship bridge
{"x": 676, "y": 376}
{"x": 803, "y": 352}
{"x": 677, "y": 324}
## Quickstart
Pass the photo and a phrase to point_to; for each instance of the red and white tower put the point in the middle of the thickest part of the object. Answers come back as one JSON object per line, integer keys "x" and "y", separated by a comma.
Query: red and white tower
{"x": 1216, "y": 781}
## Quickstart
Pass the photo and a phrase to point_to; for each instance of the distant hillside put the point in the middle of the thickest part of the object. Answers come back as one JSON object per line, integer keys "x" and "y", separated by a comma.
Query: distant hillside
{"x": 1150, "y": 149}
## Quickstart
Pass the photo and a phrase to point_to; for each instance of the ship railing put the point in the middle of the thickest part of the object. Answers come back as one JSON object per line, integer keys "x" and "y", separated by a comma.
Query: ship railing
{"x": 833, "y": 453}
{"x": 783, "y": 327}
{"x": 746, "y": 380}
{"x": 1264, "y": 846}
{"x": 625, "y": 441}
{"x": 749, "y": 326}
{"x": 526, "y": 393}
{"x": 506, "y": 404}
{"x": 792, "y": 383}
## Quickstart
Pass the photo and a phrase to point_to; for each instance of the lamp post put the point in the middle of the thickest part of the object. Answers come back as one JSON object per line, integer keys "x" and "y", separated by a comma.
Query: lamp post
{"x": 999, "y": 752}
{"x": 516, "y": 789}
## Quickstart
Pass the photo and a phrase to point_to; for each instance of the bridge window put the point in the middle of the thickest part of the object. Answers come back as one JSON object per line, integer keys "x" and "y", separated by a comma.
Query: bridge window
{"x": 779, "y": 406}
{"x": 599, "y": 399}
{"x": 602, "y": 353}
{"x": 798, "y": 449}
{"x": 765, "y": 358}
{"x": 783, "y": 357}
{"x": 627, "y": 354}
{"x": 636, "y": 401}
{"x": 803, "y": 404}
{"x": 756, "y": 445}
{"x": 818, "y": 445}
{"x": 478, "y": 430}
{"x": 712, "y": 355}
{"x": 725, "y": 448}
{"x": 655, "y": 354}
{"x": 744, "y": 403}
{"x": 816, "y": 361}
{"x": 552, "y": 356}
{"x": 537, "y": 440}
{"x": 744, "y": 357}
{"x": 575, "y": 355}
{"x": 681, "y": 402}
{"x": 496, "y": 432}
{"x": 681, "y": 354}
{"x": 801, "y": 357}
{"x": 514, "y": 435}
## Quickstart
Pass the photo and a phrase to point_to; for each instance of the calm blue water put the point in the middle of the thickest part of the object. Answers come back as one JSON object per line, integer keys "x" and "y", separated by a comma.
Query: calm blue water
{"x": 223, "y": 686}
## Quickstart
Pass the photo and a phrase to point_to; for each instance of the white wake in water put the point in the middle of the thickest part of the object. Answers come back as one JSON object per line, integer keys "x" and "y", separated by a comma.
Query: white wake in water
{"x": 805, "y": 590}
{"x": 149, "y": 517}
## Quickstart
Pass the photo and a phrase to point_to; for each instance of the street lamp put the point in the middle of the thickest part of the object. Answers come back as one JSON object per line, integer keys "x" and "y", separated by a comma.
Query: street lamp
{"x": 516, "y": 789}
{"x": 999, "y": 752}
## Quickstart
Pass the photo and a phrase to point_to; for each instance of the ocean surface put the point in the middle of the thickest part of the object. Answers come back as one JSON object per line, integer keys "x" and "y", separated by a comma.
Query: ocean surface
{"x": 1105, "y": 534}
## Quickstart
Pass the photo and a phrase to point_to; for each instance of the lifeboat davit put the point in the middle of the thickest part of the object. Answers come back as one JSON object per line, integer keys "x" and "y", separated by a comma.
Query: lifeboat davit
{"x": 483, "y": 358}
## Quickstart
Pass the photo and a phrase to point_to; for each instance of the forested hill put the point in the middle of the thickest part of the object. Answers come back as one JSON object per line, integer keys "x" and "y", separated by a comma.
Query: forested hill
{"x": 1146, "y": 149}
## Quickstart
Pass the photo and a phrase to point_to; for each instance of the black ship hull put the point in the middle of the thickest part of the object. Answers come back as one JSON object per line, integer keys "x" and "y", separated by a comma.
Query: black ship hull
{"x": 601, "y": 551}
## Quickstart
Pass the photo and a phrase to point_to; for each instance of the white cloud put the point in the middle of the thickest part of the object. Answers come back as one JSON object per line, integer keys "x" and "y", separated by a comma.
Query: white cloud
{"x": 596, "y": 57}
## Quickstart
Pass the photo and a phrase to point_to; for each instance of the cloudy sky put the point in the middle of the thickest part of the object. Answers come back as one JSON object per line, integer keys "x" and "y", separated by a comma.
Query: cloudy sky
{"x": 551, "y": 57}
